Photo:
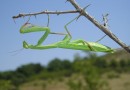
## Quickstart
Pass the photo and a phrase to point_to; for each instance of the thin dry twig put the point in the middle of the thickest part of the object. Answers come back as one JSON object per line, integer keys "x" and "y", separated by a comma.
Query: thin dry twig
{"x": 44, "y": 12}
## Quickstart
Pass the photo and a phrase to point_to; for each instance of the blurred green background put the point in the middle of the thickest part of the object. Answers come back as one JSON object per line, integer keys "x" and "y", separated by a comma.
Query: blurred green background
{"x": 91, "y": 72}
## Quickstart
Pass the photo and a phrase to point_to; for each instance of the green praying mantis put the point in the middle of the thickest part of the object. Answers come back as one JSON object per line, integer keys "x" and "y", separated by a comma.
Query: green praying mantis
{"x": 66, "y": 43}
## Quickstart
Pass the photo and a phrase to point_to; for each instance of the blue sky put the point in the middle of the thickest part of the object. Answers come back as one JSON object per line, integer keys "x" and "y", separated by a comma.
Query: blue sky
{"x": 11, "y": 39}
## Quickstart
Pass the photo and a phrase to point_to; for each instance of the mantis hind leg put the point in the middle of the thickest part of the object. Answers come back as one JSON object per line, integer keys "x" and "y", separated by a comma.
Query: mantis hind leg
{"x": 90, "y": 47}
{"x": 84, "y": 43}
{"x": 101, "y": 38}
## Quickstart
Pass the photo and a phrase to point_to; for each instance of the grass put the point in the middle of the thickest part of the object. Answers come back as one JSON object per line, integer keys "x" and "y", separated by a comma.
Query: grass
{"x": 115, "y": 83}
{"x": 120, "y": 83}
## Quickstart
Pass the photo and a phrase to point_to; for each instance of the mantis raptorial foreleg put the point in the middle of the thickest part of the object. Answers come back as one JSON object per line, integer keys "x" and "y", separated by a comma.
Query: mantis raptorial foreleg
{"x": 27, "y": 28}
{"x": 34, "y": 28}
{"x": 42, "y": 39}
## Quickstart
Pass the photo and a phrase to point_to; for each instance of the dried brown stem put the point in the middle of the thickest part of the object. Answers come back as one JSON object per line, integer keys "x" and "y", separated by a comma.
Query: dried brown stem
{"x": 45, "y": 12}
{"x": 100, "y": 26}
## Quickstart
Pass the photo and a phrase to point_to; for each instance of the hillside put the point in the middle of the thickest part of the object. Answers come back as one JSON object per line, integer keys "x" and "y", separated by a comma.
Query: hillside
{"x": 84, "y": 73}
{"x": 118, "y": 55}
{"x": 122, "y": 82}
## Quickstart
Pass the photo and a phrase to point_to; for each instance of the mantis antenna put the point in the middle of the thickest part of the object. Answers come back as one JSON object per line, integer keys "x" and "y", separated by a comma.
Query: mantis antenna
{"x": 16, "y": 51}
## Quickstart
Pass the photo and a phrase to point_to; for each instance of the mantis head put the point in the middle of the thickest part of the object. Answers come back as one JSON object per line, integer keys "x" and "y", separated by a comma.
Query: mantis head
{"x": 26, "y": 28}
{"x": 25, "y": 45}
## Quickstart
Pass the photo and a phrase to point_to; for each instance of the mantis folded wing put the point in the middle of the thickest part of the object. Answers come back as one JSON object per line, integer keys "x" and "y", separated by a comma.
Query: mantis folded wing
{"x": 65, "y": 43}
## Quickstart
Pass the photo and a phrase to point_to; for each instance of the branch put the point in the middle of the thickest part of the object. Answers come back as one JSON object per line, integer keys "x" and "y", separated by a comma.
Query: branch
{"x": 45, "y": 12}
{"x": 81, "y": 11}
{"x": 100, "y": 26}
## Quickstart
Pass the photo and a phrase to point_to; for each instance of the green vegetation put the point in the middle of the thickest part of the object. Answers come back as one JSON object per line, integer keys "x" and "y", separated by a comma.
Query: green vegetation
{"x": 83, "y": 73}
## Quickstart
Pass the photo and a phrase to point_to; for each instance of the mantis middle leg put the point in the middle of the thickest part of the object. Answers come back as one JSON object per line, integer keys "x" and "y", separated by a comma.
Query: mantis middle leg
{"x": 68, "y": 37}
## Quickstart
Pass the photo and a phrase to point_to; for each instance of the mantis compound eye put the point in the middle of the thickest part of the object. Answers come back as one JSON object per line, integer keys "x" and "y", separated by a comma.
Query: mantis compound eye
{"x": 26, "y": 28}
{"x": 25, "y": 45}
